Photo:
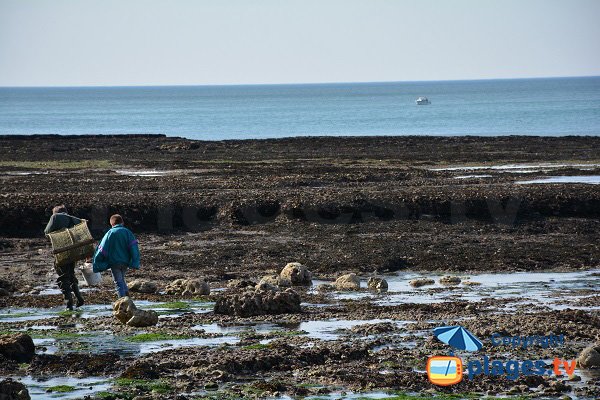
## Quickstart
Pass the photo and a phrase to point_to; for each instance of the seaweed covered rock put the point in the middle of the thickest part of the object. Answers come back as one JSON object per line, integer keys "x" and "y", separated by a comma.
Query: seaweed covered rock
{"x": 377, "y": 284}
{"x": 188, "y": 287}
{"x": 13, "y": 390}
{"x": 449, "y": 280}
{"x": 589, "y": 357}
{"x": 143, "y": 286}
{"x": 19, "y": 348}
{"x": 347, "y": 282}
{"x": 297, "y": 274}
{"x": 127, "y": 313}
{"x": 258, "y": 302}
{"x": 421, "y": 282}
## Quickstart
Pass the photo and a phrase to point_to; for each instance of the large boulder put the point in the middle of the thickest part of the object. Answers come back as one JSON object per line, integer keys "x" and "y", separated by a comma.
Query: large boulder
{"x": 185, "y": 287}
{"x": 19, "y": 348}
{"x": 258, "y": 302}
{"x": 13, "y": 390}
{"x": 377, "y": 284}
{"x": 142, "y": 318}
{"x": 347, "y": 282}
{"x": 589, "y": 357}
{"x": 123, "y": 309}
{"x": 127, "y": 313}
{"x": 297, "y": 274}
{"x": 143, "y": 286}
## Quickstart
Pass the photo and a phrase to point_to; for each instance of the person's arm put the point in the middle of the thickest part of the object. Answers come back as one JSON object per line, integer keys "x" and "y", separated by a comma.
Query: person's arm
{"x": 50, "y": 227}
{"x": 75, "y": 220}
{"x": 134, "y": 252}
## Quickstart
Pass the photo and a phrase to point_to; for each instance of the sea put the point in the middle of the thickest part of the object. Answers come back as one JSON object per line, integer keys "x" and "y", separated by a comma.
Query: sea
{"x": 541, "y": 106}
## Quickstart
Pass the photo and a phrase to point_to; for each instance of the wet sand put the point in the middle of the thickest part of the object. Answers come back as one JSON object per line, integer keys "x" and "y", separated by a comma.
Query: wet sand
{"x": 399, "y": 208}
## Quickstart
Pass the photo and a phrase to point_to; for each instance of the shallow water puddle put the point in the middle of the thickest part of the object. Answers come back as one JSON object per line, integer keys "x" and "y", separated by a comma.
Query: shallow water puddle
{"x": 472, "y": 176}
{"x": 175, "y": 309}
{"x": 346, "y": 395}
{"x": 513, "y": 167}
{"x": 164, "y": 310}
{"x": 64, "y": 387}
{"x": 144, "y": 173}
{"x": 587, "y": 179}
{"x": 159, "y": 345}
{"x": 541, "y": 288}
{"x": 331, "y": 329}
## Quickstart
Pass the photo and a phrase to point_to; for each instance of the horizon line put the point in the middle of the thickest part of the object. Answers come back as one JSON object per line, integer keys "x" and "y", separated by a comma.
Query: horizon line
{"x": 289, "y": 83}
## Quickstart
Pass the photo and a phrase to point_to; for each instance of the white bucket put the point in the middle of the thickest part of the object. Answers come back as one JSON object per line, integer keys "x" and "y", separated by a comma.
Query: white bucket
{"x": 91, "y": 278}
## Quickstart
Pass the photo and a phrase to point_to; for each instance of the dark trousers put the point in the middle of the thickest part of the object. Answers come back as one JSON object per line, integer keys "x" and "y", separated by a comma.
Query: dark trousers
{"x": 67, "y": 281}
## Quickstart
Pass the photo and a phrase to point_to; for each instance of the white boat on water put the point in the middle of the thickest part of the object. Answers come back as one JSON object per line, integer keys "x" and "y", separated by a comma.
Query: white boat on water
{"x": 422, "y": 101}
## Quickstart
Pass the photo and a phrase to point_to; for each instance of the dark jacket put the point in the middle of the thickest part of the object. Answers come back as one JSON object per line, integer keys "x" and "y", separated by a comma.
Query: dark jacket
{"x": 118, "y": 247}
{"x": 61, "y": 221}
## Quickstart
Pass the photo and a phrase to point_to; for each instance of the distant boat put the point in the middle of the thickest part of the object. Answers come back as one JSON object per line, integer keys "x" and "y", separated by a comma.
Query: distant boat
{"x": 422, "y": 101}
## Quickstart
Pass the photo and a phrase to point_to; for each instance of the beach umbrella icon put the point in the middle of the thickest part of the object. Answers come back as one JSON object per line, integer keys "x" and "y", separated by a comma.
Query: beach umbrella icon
{"x": 458, "y": 337}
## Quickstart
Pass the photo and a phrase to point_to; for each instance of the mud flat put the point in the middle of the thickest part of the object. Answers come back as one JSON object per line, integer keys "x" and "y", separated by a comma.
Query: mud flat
{"x": 488, "y": 210}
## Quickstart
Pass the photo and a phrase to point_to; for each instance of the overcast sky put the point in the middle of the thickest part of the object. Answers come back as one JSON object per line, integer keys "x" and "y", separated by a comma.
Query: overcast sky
{"x": 185, "y": 42}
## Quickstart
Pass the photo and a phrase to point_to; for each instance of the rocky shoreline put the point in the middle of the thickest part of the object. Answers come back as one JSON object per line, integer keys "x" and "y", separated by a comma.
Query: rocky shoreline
{"x": 232, "y": 214}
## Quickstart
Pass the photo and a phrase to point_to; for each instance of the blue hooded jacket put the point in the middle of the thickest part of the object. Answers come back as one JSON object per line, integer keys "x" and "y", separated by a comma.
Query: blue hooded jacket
{"x": 118, "y": 247}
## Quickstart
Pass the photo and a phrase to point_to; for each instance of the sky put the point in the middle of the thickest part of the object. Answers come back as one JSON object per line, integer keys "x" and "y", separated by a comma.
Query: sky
{"x": 197, "y": 42}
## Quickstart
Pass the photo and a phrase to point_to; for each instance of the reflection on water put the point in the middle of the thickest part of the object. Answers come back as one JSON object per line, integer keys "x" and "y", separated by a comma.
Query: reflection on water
{"x": 541, "y": 288}
{"x": 15, "y": 314}
{"x": 590, "y": 179}
{"x": 38, "y": 389}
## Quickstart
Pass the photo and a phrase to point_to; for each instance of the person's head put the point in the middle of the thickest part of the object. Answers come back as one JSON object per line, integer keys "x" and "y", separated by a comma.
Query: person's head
{"x": 59, "y": 209}
{"x": 116, "y": 220}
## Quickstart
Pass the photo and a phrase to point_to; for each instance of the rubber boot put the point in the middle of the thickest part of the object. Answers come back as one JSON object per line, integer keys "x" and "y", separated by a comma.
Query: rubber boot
{"x": 66, "y": 291}
{"x": 68, "y": 301}
{"x": 78, "y": 295}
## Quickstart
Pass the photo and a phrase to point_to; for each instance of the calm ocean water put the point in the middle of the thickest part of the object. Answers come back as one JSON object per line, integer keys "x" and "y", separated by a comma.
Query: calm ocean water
{"x": 558, "y": 106}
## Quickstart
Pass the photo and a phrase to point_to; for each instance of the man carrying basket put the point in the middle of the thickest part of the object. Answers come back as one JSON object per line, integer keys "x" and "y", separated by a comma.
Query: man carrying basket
{"x": 67, "y": 281}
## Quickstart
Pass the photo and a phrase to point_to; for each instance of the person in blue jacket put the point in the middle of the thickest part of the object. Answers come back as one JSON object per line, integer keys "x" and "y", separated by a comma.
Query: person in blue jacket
{"x": 118, "y": 251}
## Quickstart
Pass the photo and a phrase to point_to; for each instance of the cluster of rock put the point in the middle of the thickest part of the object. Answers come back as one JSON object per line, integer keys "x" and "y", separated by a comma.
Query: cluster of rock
{"x": 19, "y": 348}
{"x": 271, "y": 295}
{"x": 447, "y": 280}
{"x": 127, "y": 313}
{"x": 259, "y": 302}
{"x": 351, "y": 282}
{"x": 185, "y": 287}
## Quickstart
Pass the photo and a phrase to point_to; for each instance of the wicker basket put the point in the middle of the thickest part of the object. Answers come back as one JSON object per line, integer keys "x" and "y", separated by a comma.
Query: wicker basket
{"x": 72, "y": 244}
